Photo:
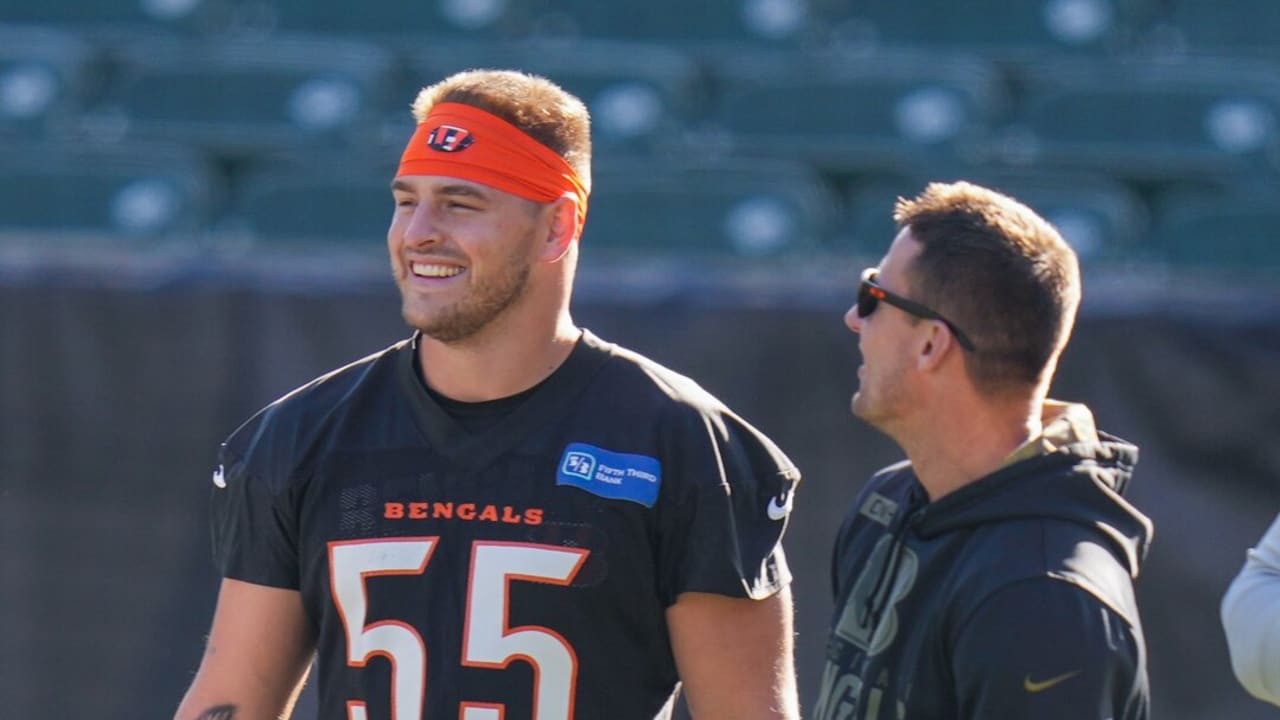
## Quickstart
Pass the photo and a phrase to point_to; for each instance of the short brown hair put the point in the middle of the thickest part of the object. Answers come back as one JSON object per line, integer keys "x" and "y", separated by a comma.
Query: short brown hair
{"x": 543, "y": 110}
{"x": 1000, "y": 272}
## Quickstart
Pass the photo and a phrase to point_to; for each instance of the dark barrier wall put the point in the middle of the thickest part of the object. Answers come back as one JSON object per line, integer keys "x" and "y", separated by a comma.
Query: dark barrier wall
{"x": 112, "y": 403}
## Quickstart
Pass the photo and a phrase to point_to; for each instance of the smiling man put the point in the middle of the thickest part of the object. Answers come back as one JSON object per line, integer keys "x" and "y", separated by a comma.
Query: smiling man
{"x": 991, "y": 574}
{"x": 503, "y": 517}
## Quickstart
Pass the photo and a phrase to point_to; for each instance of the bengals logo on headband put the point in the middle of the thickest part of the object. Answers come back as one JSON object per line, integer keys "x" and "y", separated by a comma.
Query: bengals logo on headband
{"x": 448, "y": 138}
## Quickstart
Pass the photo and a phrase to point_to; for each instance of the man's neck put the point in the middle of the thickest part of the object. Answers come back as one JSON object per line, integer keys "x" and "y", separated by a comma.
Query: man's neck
{"x": 955, "y": 449}
{"x": 497, "y": 362}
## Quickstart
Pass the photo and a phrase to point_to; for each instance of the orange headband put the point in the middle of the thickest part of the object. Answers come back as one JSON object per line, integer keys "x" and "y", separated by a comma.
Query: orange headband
{"x": 465, "y": 142}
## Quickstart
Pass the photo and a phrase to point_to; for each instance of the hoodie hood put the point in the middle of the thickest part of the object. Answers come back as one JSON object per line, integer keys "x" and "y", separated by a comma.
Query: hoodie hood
{"x": 1080, "y": 482}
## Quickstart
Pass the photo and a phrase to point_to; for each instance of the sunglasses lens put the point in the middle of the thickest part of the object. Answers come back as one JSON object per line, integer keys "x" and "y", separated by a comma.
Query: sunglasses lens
{"x": 866, "y": 301}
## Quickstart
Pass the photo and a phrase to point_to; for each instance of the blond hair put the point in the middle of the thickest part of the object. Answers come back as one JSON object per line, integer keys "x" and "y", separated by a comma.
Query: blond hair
{"x": 541, "y": 109}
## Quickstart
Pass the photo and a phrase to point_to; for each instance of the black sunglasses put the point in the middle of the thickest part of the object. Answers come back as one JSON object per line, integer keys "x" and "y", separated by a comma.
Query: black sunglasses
{"x": 870, "y": 294}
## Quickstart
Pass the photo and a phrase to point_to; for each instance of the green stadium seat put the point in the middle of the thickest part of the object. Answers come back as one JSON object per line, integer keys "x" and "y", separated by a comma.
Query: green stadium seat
{"x": 120, "y": 18}
{"x": 1235, "y": 28}
{"x": 723, "y": 210}
{"x": 1236, "y": 232}
{"x": 42, "y": 78}
{"x": 385, "y": 21}
{"x": 337, "y": 201}
{"x": 1155, "y": 121}
{"x": 1102, "y": 219}
{"x": 992, "y": 26}
{"x": 855, "y": 112}
{"x": 641, "y": 98}
{"x": 55, "y": 194}
{"x": 706, "y": 24}
{"x": 244, "y": 98}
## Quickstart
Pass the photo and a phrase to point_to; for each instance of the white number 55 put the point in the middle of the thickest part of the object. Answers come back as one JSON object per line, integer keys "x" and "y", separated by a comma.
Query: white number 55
{"x": 488, "y": 642}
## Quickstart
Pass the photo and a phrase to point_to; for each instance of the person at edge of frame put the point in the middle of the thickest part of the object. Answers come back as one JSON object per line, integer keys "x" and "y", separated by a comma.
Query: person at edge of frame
{"x": 1251, "y": 618}
{"x": 504, "y": 516}
{"x": 990, "y": 575}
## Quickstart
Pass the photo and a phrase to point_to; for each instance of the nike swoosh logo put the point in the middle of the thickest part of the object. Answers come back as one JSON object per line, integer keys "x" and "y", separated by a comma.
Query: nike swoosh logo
{"x": 1034, "y": 687}
{"x": 777, "y": 510}
{"x": 219, "y": 480}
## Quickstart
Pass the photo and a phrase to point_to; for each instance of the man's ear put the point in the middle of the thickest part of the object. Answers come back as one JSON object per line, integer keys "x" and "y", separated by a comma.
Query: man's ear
{"x": 561, "y": 231}
{"x": 933, "y": 345}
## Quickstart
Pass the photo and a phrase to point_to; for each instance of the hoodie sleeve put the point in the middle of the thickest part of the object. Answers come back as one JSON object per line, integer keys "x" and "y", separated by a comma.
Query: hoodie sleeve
{"x": 1251, "y": 618}
{"x": 1043, "y": 648}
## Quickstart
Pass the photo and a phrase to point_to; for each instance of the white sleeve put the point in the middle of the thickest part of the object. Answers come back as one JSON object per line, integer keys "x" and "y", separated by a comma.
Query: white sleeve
{"x": 1251, "y": 617}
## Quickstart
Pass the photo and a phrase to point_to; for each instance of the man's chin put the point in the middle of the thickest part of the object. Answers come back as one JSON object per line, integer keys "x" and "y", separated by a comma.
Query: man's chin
{"x": 424, "y": 323}
{"x": 445, "y": 335}
{"x": 416, "y": 320}
{"x": 446, "y": 330}
{"x": 862, "y": 409}
{"x": 858, "y": 405}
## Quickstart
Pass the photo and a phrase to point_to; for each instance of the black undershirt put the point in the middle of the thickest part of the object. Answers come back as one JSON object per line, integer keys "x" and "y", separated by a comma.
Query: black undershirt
{"x": 474, "y": 417}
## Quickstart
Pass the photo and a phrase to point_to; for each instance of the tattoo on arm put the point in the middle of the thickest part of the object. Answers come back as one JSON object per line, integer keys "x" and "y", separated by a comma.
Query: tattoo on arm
{"x": 220, "y": 712}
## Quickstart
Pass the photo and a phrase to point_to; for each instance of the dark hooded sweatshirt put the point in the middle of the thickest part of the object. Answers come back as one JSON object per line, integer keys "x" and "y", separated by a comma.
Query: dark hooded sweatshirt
{"x": 1009, "y": 598}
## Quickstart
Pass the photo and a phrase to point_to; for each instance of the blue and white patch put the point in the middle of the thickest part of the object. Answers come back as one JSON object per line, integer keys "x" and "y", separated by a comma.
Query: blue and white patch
{"x": 613, "y": 475}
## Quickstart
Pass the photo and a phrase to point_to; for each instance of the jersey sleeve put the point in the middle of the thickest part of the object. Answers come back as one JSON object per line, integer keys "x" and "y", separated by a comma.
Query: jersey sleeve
{"x": 722, "y": 523}
{"x": 1046, "y": 649}
{"x": 253, "y": 522}
{"x": 1251, "y": 618}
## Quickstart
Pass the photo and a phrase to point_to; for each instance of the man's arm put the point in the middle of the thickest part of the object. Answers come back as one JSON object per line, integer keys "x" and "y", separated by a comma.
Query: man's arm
{"x": 735, "y": 656}
{"x": 1044, "y": 649}
{"x": 257, "y": 657}
{"x": 1251, "y": 618}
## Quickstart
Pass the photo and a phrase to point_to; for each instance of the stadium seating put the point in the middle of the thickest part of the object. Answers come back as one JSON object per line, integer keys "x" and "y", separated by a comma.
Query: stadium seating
{"x": 307, "y": 202}
{"x": 849, "y": 112}
{"x": 641, "y": 98}
{"x": 245, "y": 97}
{"x": 718, "y": 210}
{"x": 998, "y": 27}
{"x": 1236, "y": 28}
{"x": 1101, "y": 218}
{"x": 708, "y": 24}
{"x": 412, "y": 22}
{"x": 1151, "y": 120}
{"x": 57, "y": 193}
{"x": 1055, "y": 101}
{"x": 42, "y": 76}
{"x": 1235, "y": 231}
{"x": 120, "y": 18}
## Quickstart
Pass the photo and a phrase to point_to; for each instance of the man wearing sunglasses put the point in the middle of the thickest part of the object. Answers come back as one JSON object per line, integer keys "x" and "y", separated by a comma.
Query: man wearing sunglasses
{"x": 991, "y": 574}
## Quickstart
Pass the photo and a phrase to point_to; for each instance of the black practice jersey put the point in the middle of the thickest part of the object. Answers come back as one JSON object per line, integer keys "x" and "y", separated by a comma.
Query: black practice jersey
{"x": 520, "y": 572}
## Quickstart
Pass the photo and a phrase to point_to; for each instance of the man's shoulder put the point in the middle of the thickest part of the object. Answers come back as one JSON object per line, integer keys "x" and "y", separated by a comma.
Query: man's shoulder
{"x": 1048, "y": 551}
{"x": 895, "y": 482}
{"x": 643, "y": 375}
{"x": 898, "y": 474}
{"x": 683, "y": 413}
{"x": 647, "y": 383}
{"x": 304, "y": 410}
{"x": 1042, "y": 545}
{"x": 880, "y": 500}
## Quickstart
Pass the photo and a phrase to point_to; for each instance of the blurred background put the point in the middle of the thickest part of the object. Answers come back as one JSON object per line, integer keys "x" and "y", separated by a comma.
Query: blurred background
{"x": 193, "y": 200}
